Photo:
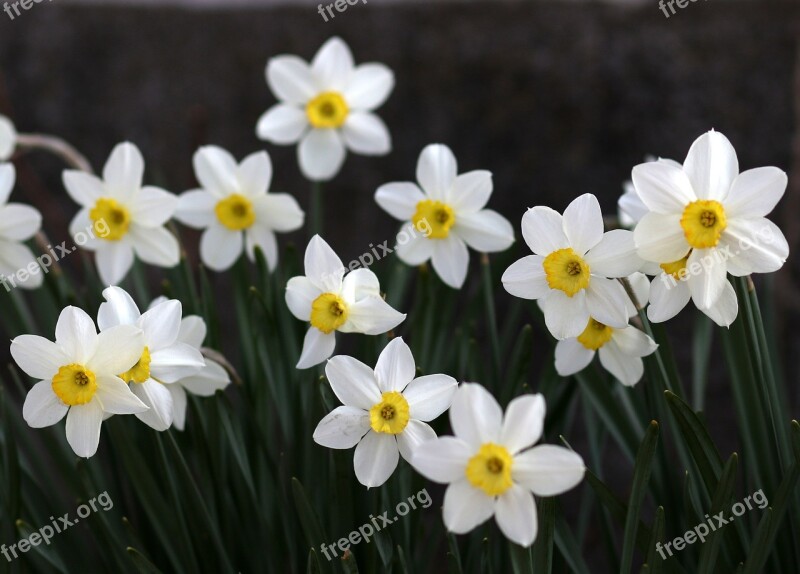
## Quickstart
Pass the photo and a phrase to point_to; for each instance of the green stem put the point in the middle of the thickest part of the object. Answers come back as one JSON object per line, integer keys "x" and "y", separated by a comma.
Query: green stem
{"x": 317, "y": 208}
{"x": 491, "y": 316}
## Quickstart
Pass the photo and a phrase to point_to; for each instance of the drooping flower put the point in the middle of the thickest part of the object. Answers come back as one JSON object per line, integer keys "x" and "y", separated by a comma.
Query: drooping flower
{"x": 385, "y": 411}
{"x": 163, "y": 359}
{"x": 572, "y": 266}
{"x": 332, "y": 302}
{"x": 489, "y": 465}
{"x": 126, "y": 218}
{"x": 705, "y": 215}
{"x": 8, "y": 138}
{"x": 620, "y": 350}
{"x": 327, "y": 107}
{"x": 78, "y": 377}
{"x": 18, "y": 223}
{"x": 236, "y": 209}
{"x": 445, "y": 214}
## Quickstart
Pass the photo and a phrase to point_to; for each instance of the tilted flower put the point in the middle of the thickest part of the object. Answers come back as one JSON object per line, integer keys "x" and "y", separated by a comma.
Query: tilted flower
{"x": 163, "y": 358}
{"x": 78, "y": 377}
{"x": 630, "y": 207}
{"x": 236, "y": 209}
{"x": 489, "y": 465}
{"x": 18, "y": 223}
{"x": 707, "y": 214}
{"x": 126, "y": 219}
{"x": 327, "y": 107}
{"x": 620, "y": 350}
{"x": 385, "y": 411}
{"x": 8, "y": 138}
{"x": 332, "y": 302}
{"x": 445, "y": 214}
{"x": 572, "y": 267}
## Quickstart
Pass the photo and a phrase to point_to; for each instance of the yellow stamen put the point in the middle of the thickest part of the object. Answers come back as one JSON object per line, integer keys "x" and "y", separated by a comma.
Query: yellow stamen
{"x": 235, "y": 212}
{"x": 566, "y": 271}
{"x": 115, "y": 217}
{"x": 434, "y": 218}
{"x": 74, "y": 384}
{"x": 703, "y": 222}
{"x": 327, "y": 110}
{"x": 595, "y": 335}
{"x": 328, "y": 312}
{"x": 390, "y": 416}
{"x": 490, "y": 469}
{"x": 140, "y": 372}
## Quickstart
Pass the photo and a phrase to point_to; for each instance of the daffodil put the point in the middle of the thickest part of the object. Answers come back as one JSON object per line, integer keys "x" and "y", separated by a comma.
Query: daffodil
{"x": 573, "y": 267}
{"x": 8, "y": 138}
{"x": 332, "y": 302}
{"x": 235, "y": 208}
{"x": 489, "y": 466}
{"x": 327, "y": 107}
{"x": 18, "y": 223}
{"x": 163, "y": 358}
{"x": 705, "y": 214}
{"x": 630, "y": 208}
{"x": 78, "y": 377}
{"x": 445, "y": 214}
{"x": 126, "y": 218}
{"x": 385, "y": 411}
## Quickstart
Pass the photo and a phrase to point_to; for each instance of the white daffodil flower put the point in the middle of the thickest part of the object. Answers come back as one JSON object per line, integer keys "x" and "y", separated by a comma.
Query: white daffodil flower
{"x": 449, "y": 211}
{"x": 571, "y": 267}
{"x": 332, "y": 302}
{"x": 327, "y": 107}
{"x": 489, "y": 465}
{"x": 78, "y": 377}
{"x": 163, "y": 359}
{"x": 235, "y": 208}
{"x": 708, "y": 218}
{"x": 8, "y": 138}
{"x": 630, "y": 208}
{"x": 620, "y": 350}
{"x": 18, "y": 223}
{"x": 125, "y": 217}
{"x": 385, "y": 411}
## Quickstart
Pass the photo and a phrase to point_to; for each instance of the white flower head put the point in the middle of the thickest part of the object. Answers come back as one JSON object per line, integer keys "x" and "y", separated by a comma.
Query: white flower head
{"x": 162, "y": 358}
{"x": 78, "y": 377}
{"x": 445, "y": 214}
{"x": 126, "y": 219}
{"x": 620, "y": 350}
{"x": 235, "y": 208}
{"x": 8, "y": 138}
{"x": 385, "y": 411}
{"x": 489, "y": 465}
{"x": 332, "y": 302}
{"x": 327, "y": 107}
{"x": 630, "y": 207}
{"x": 707, "y": 214}
{"x": 18, "y": 223}
{"x": 571, "y": 267}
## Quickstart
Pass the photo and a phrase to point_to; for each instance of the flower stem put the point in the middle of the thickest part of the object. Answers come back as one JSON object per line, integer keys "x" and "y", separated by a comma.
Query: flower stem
{"x": 317, "y": 208}
{"x": 491, "y": 316}
{"x": 56, "y": 146}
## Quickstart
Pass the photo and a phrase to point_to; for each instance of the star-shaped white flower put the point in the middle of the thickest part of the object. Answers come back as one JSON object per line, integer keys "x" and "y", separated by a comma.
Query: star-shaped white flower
{"x": 332, "y": 302}
{"x": 18, "y": 223}
{"x": 327, "y": 107}
{"x": 235, "y": 208}
{"x": 385, "y": 411}
{"x": 445, "y": 214}
{"x": 489, "y": 465}
{"x": 78, "y": 377}
{"x": 125, "y": 218}
{"x": 8, "y": 138}
{"x": 571, "y": 267}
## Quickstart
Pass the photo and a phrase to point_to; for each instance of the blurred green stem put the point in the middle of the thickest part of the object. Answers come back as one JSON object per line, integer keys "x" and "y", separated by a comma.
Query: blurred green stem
{"x": 491, "y": 316}
{"x": 316, "y": 208}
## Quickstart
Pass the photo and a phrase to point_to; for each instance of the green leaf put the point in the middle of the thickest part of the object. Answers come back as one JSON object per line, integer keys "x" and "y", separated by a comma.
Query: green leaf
{"x": 720, "y": 501}
{"x": 654, "y": 562}
{"x": 543, "y": 546}
{"x": 143, "y": 565}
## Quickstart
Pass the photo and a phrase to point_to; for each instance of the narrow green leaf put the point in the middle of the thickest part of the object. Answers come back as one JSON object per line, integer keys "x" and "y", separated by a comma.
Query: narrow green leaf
{"x": 760, "y": 549}
{"x": 143, "y": 565}
{"x": 654, "y": 562}
{"x": 708, "y": 562}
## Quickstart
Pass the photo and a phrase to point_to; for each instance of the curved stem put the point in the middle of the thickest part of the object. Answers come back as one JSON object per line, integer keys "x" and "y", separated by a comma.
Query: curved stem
{"x": 56, "y": 146}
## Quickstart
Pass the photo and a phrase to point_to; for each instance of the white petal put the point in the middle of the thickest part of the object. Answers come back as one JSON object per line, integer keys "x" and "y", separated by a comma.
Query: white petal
{"x": 8, "y": 138}
{"x": 375, "y": 458}
{"x": 369, "y": 86}
{"x": 42, "y": 407}
{"x": 413, "y": 248}
{"x": 634, "y": 342}
{"x": 371, "y": 316}
{"x": 38, "y": 357}
{"x": 158, "y": 398}
{"x": 124, "y": 171}
{"x": 211, "y": 378}
{"x": 16, "y": 257}
{"x": 317, "y": 346}
{"x": 290, "y": 79}
{"x": 640, "y": 285}
{"x": 526, "y": 278}
{"x": 196, "y": 209}
{"x": 615, "y": 255}
{"x": 724, "y": 311}
{"x": 466, "y": 507}
{"x": 161, "y": 324}
{"x": 548, "y": 470}
{"x": 176, "y": 362}
{"x": 76, "y": 334}
{"x": 755, "y": 192}
{"x": 399, "y": 199}
{"x": 255, "y": 174}
{"x": 178, "y": 406}
{"x": 607, "y": 302}
{"x": 279, "y": 211}
{"x": 153, "y": 207}
{"x": 475, "y": 416}
{"x": 116, "y": 397}
{"x": 515, "y": 514}
{"x": 282, "y": 124}
{"x": 332, "y": 65}
{"x": 84, "y": 188}
{"x": 262, "y": 237}
{"x": 217, "y": 171}
{"x": 572, "y": 357}
{"x": 565, "y": 316}
{"x": 119, "y": 309}
{"x": 360, "y": 283}
{"x": 8, "y": 173}
{"x": 523, "y": 422}
{"x": 660, "y": 238}
{"x": 353, "y": 382}
{"x": 321, "y": 154}
{"x": 118, "y": 349}
{"x": 430, "y": 395}
{"x": 415, "y": 434}
{"x": 155, "y": 246}
{"x": 300, "y": 294}
{"x": 342, "y": 428}
{"x": 662, "y": 187}
{"x": 707, "y": 276}
{"x": 711, "y": 166}
{"x": 486, "y": 231}
{"x": 628, "y": 370}
{"x": 757, "y": 246}
{"x": 114, "y": 259}
{"x": 668, "y": 297}
{"x": 323, "y": 267}
{"x": 395, "y": 367}
{"x": 442, "y": 460}
{"x": 83, "y": 428}
{"x": 472, "y": 191}
{"x": 366, "y": 134}
{"x": 631, "y": 208}
{"x": 220, "y": 247}
{"x": 543, "y": 230}
{"x": 19, "y": 222}
{"x": 583, "y": 223}
{"x": 450, "y": 259}
{"x": 436, "y": 172}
